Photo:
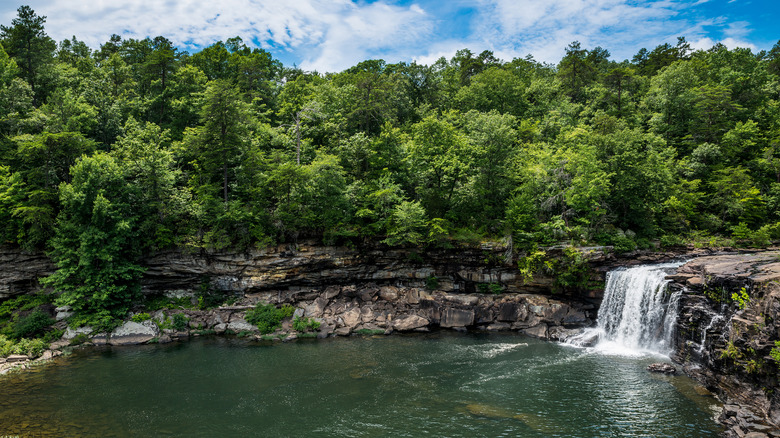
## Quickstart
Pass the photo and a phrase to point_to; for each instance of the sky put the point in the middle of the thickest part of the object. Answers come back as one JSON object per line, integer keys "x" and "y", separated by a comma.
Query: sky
{"x": 332, "y": 35}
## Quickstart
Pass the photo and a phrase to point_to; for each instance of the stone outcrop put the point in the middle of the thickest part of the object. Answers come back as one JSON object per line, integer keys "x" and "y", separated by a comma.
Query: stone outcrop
{"x": 307, "y": 265}
{"x": 663, "y": 368}
{"x": 131, "y": 333}
{"x": 20, "y": 271}
{"x": 725, "y": 341}
{"x": 346, "y": 310}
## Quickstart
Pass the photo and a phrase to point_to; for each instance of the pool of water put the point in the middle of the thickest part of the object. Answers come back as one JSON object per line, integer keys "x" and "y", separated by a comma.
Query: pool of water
{"x": 439, "y": 384}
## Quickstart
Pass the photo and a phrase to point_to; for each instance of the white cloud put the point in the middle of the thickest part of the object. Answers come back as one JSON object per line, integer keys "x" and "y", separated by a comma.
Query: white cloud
{"x": 330, "y": 34}
{"x": 731, "y": 43}
{"x": 545, "y": 27}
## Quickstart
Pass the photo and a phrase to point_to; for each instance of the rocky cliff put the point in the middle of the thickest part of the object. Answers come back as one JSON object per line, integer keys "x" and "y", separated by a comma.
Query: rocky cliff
{"x": 729, "y": 321}
{"x": 20, "y": 271}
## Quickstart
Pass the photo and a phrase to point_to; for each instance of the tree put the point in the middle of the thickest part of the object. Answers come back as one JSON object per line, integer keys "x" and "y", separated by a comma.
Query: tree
{"x": 408, "y": 225}
{"x": 494, "y": 89}
{"x": 576, "y": 71}
{"x": 620, "y": 81}
{"x": 773, "y": 59}
{"x": 437, "y": 155}
{"x": 96, "y": 244}
{"x": 27, "y": 41}
{"x": 42, "y": 163}
{"x": 671, "y": 100}
{"x": 148, "y": 165}
{"x": 492, "y": 145}
{"x": 221, "y": 139}
{"x": 713, "y": 107}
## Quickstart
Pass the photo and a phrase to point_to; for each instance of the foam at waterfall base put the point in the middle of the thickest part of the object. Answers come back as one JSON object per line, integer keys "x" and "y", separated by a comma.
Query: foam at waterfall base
{"x": 593, "y": 340}
{"x": 637, "y": 316}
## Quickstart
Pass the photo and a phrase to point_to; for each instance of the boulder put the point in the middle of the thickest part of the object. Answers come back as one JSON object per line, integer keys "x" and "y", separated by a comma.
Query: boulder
{"x": 72, "y": 333}
{"x": 17, "y": 358}
{"x": 220, "y": 328}
{"x": 342, "y": 331}
{"x": 537, "y": 331}
{"x": 388, "y": 293}
{"x": 317, "y": 307}
{"x": 352, "y": 317}
{"x": 499, "y": 326}
{"x": 575, "y": 318}
{"x": 665, "y": 368}
{"x": 63, "y": 312}
{"x": 331, "y": 292}
{"x": 508, "y": 312}
{"x": 413, "y": 296}
{"x": 240, "y": 325}
{"x": 410, "y": 322}
{"x": 466, "y": 300}
{"x": 132, "y": 332}
{"x": 368, "y": 294}
{"x": 451, "y": 317}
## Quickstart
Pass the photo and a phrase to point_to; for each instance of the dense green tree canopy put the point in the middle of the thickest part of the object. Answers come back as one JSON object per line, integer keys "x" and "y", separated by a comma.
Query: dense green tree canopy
{"x": 138, "y": 146}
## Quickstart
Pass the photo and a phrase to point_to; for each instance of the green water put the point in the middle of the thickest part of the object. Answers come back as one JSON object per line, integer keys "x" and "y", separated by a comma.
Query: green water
{"x": 441, "y": 384}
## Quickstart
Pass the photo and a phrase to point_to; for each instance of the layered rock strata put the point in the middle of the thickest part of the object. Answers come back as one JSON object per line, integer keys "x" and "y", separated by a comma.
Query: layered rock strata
{"x": 727, "y": 329}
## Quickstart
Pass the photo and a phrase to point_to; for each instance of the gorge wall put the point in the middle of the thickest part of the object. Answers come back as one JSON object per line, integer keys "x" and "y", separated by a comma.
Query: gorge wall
{"x": 726, "y": 343}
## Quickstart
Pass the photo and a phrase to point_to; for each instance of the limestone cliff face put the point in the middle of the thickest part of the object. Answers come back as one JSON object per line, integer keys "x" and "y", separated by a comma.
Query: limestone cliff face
{"x": 291, "y": 266}
{"x": 20, "y": 271}
{"x": 305, "y": 265}
{"x": 725, "y": 343}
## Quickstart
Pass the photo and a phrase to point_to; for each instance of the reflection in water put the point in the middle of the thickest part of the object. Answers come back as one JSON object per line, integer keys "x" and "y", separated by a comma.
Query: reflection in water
{"x": 437, "y": 384}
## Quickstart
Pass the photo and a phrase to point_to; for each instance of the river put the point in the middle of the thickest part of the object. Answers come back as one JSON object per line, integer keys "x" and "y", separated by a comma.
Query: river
{"x": 438, "y": 384}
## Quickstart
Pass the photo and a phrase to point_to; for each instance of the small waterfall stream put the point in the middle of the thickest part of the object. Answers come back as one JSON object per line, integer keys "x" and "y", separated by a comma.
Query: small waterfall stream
{"x": 637, "y": 315}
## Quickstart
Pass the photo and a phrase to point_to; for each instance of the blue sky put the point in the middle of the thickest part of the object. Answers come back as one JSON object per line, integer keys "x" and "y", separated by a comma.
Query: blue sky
{"x": 331, "y": 35}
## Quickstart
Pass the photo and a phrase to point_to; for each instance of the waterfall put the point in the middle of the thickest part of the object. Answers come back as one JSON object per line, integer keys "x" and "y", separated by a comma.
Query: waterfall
{"x": 637, "y": 315}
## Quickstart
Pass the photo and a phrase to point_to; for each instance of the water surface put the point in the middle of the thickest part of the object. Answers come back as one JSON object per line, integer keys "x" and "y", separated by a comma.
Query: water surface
{"x": 440, "y": 384}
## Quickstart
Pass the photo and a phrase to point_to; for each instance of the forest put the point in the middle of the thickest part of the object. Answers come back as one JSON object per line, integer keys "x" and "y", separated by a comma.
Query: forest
{"x": 135, "y": 147}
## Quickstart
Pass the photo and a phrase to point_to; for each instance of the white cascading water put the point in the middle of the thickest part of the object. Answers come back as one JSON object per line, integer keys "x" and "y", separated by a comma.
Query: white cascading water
{"x": 637, "y": 315}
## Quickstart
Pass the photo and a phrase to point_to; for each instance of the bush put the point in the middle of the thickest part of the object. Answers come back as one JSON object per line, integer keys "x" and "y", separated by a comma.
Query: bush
{"x": 267, "y": 317}
{"x": 490, "y": 288}
{"x": 756, "y": 238}
{"x": 180, "y": 322}
{"x": 101, "y": 322}
{"x": 32, "y": 325}
{"x": 141, "y": 317}
{"x": 305, "y": 324}
{"x": 431, "y": 283}
{"x": 31, "y": 347}
{"x": 671, "y": 240}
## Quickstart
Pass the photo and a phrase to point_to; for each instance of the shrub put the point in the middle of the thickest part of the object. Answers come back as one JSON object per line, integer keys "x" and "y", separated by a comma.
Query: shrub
{"x": 490, "y": 288}
{"x": 102, "y": 321}
{"x": 267, "y": 317}
{"x": 141, "y": 317}
{"x": 671, "y": 240}
{"x": 79, "y": 339}
{"x": 31, "y": 347}
{"x": 431, "y": 283}
{"x": 775, "y": 353}
{"x": 369, "y": 332}
{"x": 741, "y": 298}
{"x": 160, "y": 302}
{"x": 304, "y": 324}
{"x": 32, "y": 325}
{"x": 180, "y": 322}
